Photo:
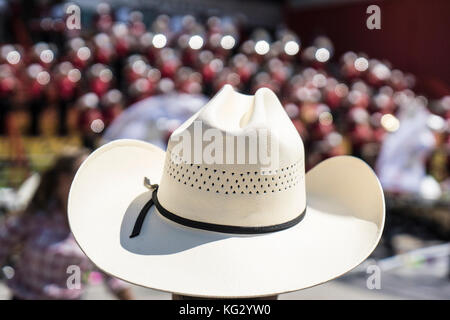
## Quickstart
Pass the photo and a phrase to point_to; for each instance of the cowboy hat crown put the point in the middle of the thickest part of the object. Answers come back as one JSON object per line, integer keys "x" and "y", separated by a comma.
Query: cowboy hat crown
{"x": 237, "y": 147}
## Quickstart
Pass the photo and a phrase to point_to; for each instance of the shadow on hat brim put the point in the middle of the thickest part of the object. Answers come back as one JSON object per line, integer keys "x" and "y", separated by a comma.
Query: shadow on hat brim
{"x": 342, "y": 226}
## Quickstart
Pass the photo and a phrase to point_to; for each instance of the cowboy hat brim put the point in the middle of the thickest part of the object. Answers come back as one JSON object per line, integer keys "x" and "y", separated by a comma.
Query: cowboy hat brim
{"x": 342, "y": 226}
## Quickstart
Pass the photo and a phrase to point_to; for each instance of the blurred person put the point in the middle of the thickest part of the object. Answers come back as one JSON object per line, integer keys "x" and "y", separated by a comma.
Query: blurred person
{"x": 41, "y": 245}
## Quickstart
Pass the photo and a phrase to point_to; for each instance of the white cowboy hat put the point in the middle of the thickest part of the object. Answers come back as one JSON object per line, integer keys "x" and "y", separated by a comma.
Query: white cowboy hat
{"x": 234, "y": 229}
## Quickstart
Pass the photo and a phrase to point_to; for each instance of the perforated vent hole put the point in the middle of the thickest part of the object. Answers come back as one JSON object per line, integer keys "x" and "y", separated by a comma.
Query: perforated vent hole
{"x": 233, "y": 182}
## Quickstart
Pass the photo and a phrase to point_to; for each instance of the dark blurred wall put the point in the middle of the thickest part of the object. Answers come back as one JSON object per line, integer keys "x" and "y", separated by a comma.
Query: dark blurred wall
{"x": 414, "y": 35}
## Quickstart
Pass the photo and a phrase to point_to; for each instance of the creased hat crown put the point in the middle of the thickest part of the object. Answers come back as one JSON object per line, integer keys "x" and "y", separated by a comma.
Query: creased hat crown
{"x": 240, "y": 159}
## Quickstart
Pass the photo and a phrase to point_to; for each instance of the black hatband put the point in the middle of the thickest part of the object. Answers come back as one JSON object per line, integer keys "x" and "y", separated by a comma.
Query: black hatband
{"x": 205, "y": 225}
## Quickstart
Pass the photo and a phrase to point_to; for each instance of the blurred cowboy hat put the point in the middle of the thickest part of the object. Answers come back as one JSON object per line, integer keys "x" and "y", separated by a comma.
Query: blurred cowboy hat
{"x": 245, "y": 229}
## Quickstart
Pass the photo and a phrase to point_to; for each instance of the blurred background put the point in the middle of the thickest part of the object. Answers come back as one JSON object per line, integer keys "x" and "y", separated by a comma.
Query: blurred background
{"x": 138, "y": 69}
